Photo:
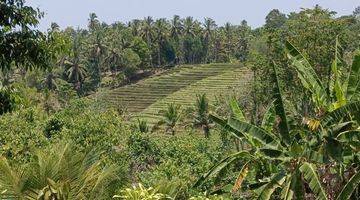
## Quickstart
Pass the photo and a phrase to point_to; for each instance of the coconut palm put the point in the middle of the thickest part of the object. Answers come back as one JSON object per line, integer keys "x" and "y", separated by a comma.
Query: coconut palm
{"x": 57, "y": 173}
{"x": 209, "y": 27}
{"x": 75, "y": 70}
{"x": 201, "y": 118}
{"x": 171, "y": 117}
{"x": 189, "y": 26}
{"x": 228, "y": 31}
{"x": 50, "y": 81}
{"x": 147, "y": 32}
{"x": 176, "y": 27}
{"x": 135, "y": 26}
{"x": 93, "y": 22}
{"x": 161, "y": 30}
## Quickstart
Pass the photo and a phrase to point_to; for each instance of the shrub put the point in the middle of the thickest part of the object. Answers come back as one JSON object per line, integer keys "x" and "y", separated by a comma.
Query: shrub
{"x": 144, "y": 152}
{"x": 52, "y": 127}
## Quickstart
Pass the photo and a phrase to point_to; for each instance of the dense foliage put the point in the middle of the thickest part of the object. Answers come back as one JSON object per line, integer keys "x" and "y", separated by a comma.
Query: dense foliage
{"x": 291, "y": 133}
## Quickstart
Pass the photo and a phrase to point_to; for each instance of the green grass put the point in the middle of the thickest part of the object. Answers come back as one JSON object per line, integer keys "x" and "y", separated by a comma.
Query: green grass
{"x": 180, "y": 85}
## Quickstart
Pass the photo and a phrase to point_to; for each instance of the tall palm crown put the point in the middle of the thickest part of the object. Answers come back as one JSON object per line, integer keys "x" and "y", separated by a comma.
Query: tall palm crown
{"x": 209, "y": 25}
{"x": 93, "y": 22}
{"x": 135, "y": 27}
{"x": 202, "y": 114}
{"x": 161, "y": 29}
{"x": 176, "y": 27}
{"x": 76, "y": 71}
{"x": 147, "y": 31}
{"x": 189, "y": 26}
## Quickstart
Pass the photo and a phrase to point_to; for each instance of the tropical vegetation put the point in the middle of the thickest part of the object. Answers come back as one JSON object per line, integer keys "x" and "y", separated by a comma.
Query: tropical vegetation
{"x": 180, "y": 108}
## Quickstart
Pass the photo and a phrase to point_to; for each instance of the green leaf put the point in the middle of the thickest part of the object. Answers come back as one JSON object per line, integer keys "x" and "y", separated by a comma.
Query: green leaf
{"x": 280, "y": 111}
{"x": 269, "y": 118}
{"x": 222, "y": 165}
{"x": 337, "y": 115}
{"x": 224, "y": 124}
{"x": 310, "y": 175}
{"x": 308, "y": 76}
{"x": 334, "y": 83}
{"x": 271, "y": 153}
{"x": 275, "y": 182}
{"x": 253, "y": 131}
{"x": 349, "y": 188}
{"x": 236, "y": 110}
{"x": 348, "y": 136}
{"x": 353, "y": 82}
{"x": 293, "y": 187}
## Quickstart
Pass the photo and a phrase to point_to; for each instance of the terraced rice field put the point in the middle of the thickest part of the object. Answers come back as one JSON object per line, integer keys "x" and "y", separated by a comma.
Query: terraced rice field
{"x": 146, "y": 98}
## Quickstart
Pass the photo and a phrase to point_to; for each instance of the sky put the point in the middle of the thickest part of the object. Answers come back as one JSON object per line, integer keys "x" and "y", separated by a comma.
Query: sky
{"x": 76, "y": 12}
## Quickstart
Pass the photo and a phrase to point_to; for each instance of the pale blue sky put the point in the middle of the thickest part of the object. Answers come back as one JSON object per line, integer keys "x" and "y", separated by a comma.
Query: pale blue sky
{"x": 75, "y": 12}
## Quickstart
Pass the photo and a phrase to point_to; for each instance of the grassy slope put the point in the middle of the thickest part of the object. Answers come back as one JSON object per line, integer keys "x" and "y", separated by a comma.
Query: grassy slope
{"x": 180, "y": 85}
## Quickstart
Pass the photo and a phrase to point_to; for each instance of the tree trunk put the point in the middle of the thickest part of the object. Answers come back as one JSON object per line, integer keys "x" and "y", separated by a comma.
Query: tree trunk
{"x": 159, "y": 56}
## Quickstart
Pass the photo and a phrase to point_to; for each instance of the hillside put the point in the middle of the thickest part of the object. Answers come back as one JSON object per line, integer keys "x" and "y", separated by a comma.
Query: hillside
{"x": 179, "y": 85}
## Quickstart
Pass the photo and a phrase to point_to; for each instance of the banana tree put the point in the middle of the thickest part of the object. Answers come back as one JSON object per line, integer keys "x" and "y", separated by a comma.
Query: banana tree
{"x": 300, "y": 158}
{"x": 339, "y": 90}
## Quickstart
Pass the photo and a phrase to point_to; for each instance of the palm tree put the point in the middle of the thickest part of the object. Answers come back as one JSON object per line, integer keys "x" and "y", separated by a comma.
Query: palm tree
{"x": 209, "y": 26}
{"x": 76, "y": 72}
{"x": 176, "y": 27}
{"x": 147, "y": 32}
{"x": 135, "y": 26}
{"x": 142, "y": 126}
{"x": 171, "y": 118}
{"x": 189, "y": 26}
{"x": 58, "y": 173}
{"x": 93, "y": 22}
{"x": 97, "y": 48}
{"x": 228, "y": 31}
{"x": 201, "y": 118}
{"x": 161, "y": 29}
{"x": 176, "y": 30}
{"x": 75, "y": 69}
{"x": 54, "y": 26}
{"x": 50, "y": 81}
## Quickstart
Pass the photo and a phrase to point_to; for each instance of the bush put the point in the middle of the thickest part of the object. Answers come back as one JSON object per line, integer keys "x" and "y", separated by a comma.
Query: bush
{"x": 144, "y": 152}
{"x": 52, "y": 127}
{"x": 21, "y": 133}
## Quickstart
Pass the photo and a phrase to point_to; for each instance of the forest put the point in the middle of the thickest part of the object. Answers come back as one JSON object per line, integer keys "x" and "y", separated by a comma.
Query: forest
{"x": 180, "y": 108}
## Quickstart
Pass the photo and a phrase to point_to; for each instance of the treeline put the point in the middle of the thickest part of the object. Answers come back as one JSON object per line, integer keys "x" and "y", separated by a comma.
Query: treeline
{"x": 110, "y": 55}
{"x": 113, "y": 54}
{"x": 122, "y": 49}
